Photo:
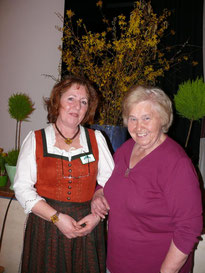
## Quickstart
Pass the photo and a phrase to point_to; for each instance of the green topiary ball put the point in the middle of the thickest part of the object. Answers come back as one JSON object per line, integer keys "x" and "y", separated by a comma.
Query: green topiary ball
{"x": 190, "y": 99}
{"x": 20, "y": 106}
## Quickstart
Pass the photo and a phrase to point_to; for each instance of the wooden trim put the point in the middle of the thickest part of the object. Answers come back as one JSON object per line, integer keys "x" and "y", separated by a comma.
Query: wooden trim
{"x": 5, "y": 191}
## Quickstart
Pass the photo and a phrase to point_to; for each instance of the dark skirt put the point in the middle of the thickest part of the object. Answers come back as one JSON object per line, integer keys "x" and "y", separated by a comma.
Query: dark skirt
{"x": 47, "y": 250}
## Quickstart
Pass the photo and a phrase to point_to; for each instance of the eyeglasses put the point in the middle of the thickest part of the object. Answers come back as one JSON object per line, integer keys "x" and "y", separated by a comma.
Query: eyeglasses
{"x": 68, "y": 172}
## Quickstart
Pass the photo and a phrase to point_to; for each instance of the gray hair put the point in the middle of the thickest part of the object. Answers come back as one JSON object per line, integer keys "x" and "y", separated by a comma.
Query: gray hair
{"x": 156, "y": 96}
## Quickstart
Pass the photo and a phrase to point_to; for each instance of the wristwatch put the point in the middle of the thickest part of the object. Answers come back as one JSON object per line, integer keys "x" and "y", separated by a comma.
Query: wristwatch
{"x": 54, "y": 218}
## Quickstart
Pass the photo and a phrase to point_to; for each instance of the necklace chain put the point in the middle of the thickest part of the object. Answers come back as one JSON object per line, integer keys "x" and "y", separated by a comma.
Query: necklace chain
{"x": 68, "y": 140}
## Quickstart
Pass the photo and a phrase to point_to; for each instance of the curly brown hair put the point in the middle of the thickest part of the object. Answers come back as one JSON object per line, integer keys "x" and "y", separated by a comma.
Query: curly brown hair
{"x": 52, "y": 103}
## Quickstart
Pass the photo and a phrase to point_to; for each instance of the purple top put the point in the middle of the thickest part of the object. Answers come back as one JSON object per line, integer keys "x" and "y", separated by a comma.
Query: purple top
{"x": 158, "y": 201}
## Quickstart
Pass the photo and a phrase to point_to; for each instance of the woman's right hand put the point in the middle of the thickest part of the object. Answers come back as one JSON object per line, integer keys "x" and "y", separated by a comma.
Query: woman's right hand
{"x": 68, "y": 226}
{"x": 99, "y": 205}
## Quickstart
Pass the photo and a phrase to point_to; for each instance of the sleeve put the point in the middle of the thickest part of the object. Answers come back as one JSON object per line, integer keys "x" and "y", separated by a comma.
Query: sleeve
{"x": 184, "y": 203}
{"x": 26, "y": 173}
{"x": 106, "y": 163}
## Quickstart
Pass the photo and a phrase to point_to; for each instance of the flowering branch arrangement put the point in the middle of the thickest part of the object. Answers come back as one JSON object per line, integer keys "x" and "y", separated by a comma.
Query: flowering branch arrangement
{"x": 127, "y": 52}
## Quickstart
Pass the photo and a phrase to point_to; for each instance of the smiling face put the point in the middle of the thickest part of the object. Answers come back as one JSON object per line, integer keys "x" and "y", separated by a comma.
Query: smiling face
{"x": 73, "y": 106}
{"x": 145, "y": 126}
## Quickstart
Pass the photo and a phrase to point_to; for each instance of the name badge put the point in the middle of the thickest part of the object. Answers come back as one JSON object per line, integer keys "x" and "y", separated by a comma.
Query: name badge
{"x": 87, "y": 159}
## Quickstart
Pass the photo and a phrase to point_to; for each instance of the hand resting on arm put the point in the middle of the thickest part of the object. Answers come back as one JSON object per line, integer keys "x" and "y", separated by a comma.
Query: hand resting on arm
{"x": 99, "y": 205}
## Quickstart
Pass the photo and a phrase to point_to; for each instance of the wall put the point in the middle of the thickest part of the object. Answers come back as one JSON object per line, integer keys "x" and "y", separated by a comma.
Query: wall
{"x": 29, "y": 42}
{"x": 199, "y": 262}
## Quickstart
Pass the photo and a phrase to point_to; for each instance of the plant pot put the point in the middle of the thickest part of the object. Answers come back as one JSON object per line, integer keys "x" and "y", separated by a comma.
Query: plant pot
{"x": 3, "y": 180}
{"x": 115, "y": 135}
{"x": 11, "y": 171}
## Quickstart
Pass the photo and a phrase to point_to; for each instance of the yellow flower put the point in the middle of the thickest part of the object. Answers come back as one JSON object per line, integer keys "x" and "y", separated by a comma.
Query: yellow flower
{"x": 99, "y": 4}
{"x": 194, "y": 63}
{"x": 70, "y": 13}
{"x": 79, "y": 22}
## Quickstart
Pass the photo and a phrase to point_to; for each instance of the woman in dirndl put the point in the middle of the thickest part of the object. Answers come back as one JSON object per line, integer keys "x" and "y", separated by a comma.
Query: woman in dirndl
{"x": 55, "y": 180}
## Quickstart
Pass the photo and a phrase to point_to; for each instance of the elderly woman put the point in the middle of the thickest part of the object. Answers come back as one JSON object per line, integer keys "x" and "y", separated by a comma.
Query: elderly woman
{"x": 153, "y": 193}
{"x": 55, "y": 180}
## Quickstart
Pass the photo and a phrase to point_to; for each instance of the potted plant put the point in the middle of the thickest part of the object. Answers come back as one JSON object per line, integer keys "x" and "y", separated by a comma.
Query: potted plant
{"x": 3, "y": 174}
{"x": 20, "y": 108}
{"x": 127, "y": 52}
{"x": 190, "y": 102}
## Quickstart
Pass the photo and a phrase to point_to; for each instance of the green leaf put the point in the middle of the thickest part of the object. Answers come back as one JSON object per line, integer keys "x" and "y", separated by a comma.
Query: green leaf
{"x": 12, "y": 157}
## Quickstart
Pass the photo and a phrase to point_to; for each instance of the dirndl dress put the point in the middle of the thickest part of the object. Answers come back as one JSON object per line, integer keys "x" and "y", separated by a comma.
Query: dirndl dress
{"x": 46, "y": 249}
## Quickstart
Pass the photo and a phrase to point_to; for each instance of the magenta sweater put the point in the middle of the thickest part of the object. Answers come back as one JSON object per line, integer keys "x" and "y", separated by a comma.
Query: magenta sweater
{"x": 159, "y": 201}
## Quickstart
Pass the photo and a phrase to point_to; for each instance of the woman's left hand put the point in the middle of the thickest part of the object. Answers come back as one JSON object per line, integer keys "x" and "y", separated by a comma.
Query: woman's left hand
{"x": 88, "y": 223}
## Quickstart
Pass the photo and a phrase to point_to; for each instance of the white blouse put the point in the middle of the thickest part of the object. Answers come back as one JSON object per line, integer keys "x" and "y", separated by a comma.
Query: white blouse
{"x": 26, "y": 172}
